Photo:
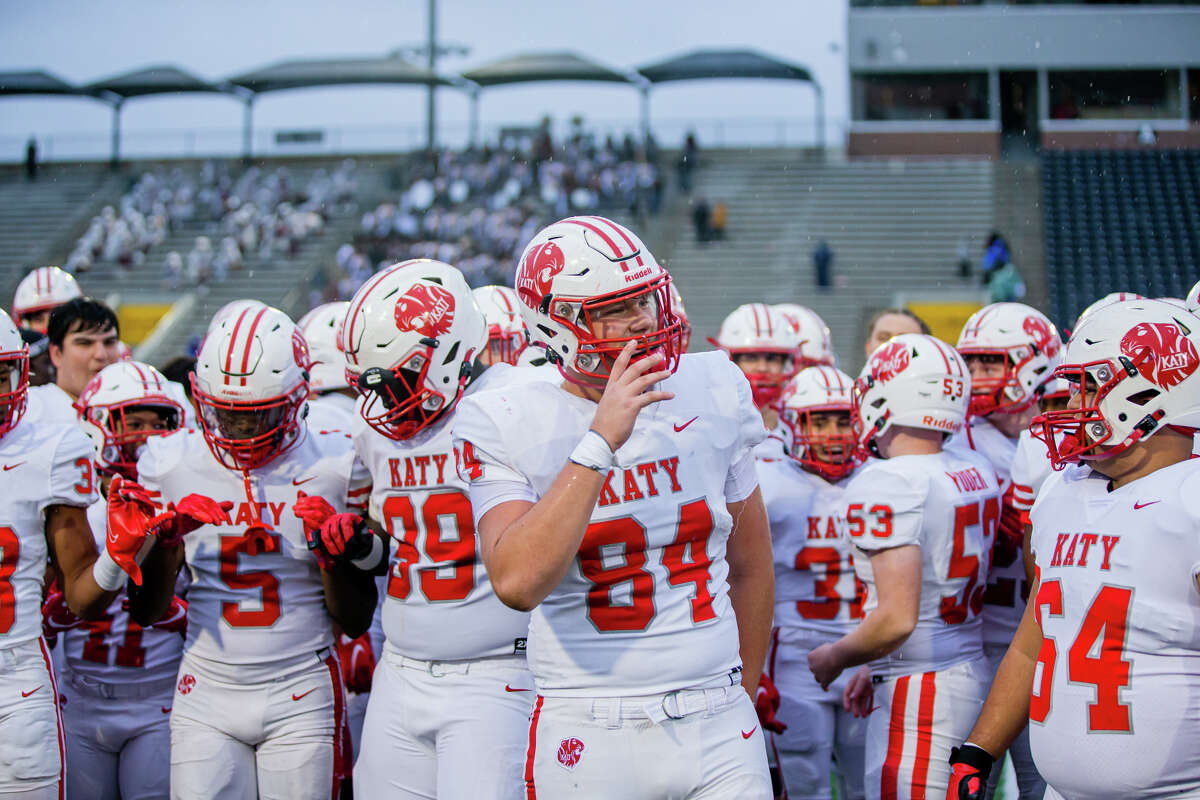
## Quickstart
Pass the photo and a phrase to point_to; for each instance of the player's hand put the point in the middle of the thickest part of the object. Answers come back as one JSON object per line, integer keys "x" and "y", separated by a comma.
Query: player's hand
{"x": 627, "y": 393}
{"x": 192, "y": 512}
{"x": 358, "y": 662}
{"x": 766, "y": 703}
{"x": 824, "y": 664}
{"x": 56, "y": 617}
{"x": 130, "y": 513}
{"x": 312, "y": 510}
{"x": 969, "y": 770}
{"x": 859, "y": 695}
{"x": 343, "y": 537}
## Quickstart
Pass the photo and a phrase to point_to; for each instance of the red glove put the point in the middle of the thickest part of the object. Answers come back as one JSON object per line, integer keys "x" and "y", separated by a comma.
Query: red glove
{"x": 766, "y": 703}
{"x": 190, "y": 513}
{"x": 314, "y": 511}
{"x": 970, "y": 767}
{"x": 130, "y": 514}
{"x": 343, "y": 537}
{"x": 358, "y": 662}
{"x": 56, "y": 616}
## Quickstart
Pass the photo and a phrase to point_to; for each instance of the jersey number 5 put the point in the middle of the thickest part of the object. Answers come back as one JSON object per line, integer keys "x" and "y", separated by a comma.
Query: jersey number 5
{"x": 686, "y": 560}
{"x": 268, "y": 584}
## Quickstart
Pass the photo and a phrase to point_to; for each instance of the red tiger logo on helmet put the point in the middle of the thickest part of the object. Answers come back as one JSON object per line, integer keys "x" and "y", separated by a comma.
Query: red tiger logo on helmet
{"x": 537, "y": 272}
{"x": 425, "y": 308}
{"x": 890, "y": 361}
{"x": 300, "y": 350}
{"x": 1173, "y": 355}
{"x": 569, "y": 752}
{"x": 1039, "y": 330}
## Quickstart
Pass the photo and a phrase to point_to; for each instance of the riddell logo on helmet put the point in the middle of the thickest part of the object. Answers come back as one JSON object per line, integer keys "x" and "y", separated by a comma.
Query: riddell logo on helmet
{"x": 425, "y": 308}
{"x": 1173, "y": 355}
{"x": 889, "y": 362}
{"x": 939, "y": 423}
{"x": 1039, "y": 331}
{"x": 537, "y": 272}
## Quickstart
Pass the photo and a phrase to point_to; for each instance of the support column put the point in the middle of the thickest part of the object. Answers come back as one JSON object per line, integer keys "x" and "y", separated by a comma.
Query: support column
{"x": 645, "y": 113}
{"x": 820, "y": 116}
{"x": 1184, "y": 99}
{"x": 1043, "y": 99}
{"x": 430, "y": 97}
{"x": 994, "y": 95}
{"x": 115, "y": 160}
{"x": 248, "y": 129}
{"x": 473, "y": 120}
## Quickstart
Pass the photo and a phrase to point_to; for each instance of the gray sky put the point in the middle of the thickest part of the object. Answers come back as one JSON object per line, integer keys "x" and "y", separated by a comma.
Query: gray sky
{"x": 83, "y": 41}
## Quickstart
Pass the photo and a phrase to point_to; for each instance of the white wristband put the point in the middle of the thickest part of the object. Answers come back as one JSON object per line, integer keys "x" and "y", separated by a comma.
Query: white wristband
{"x": 371, "y": 559}
{"x": 108, "y": 575}
{"x": 593, "y": 452}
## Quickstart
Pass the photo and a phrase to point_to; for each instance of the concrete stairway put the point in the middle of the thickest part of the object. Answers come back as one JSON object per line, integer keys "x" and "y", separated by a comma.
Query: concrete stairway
{"x": 894, "y": 226}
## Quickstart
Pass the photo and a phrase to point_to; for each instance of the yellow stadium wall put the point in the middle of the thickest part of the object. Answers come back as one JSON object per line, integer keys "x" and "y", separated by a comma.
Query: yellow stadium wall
{"x": 137, "y": 320}
{"x": 945, "y": 320}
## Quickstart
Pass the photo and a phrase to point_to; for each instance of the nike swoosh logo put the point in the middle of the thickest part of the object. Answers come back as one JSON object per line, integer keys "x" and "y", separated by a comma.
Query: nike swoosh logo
{"x": 31, "y": 691}
{"x": 509, "y": 688}
{"x": 302, "y": 696}
{"x": 7, "y": 467}
{"x": 749, "y": 733}
{"x": 1136, "y": 506}
{"x": 165, "y": 709}
{"x": 305, "y": 480}
{"x": 679, "y": 427}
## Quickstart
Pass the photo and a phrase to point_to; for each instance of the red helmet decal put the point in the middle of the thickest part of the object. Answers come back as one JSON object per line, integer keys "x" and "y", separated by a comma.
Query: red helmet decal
{"x": 300, "y": 350}
{"x": 1173, "y": 355}
{"x": 1039, "y": 330}
{"x": 569, "y": 752}
{"x": 537, "y": 272}
{"x": 426, "y": 308}
{"x": 891, "y": 359}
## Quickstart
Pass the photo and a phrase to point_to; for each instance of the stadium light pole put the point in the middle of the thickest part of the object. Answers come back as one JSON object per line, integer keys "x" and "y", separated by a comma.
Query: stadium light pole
{"x": 431, "y": 101}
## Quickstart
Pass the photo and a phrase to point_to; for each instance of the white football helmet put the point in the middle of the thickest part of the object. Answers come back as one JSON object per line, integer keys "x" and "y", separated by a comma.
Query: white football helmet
{"x": 411, "y": 338}
{"x": 1138, "y": 363}
{"x": 685, "y": 325}
{"x": 1029, "y": 344}
{"x": 232, "y": 309}
{"x": 914, "y": 380}
{"x": 506, "y": 330}
{"x": 321, "y": 328}
{"x": 119, "y": 388}
{"x": 14, "y": 385}
{"x": 820, "y": 389}
{"x": 816, "y": 345}
{"x": 1108, "y": 299}
{"x": 757, "y": 328}
{"x": 43, "y": 289}
{"x": 250, "y": 386}
{"x": 578, "y": 268}
{"x": 1193, "y": 299}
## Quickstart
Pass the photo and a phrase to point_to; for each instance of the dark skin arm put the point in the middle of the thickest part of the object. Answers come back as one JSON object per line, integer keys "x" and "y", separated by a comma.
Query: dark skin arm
{"x": 350, "y": 596}
{"x": 73, "y": 552}
{"x": 149, "y": 602}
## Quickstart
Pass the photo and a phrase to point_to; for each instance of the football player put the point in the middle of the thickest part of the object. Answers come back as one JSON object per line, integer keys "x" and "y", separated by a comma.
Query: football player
{"x": 817, "y": 596}
{"x": 816, "y": 346}
{"x": 1110, "y": 640}
{"x": 49, "y": 482}
{"x": 685, "y": 324}
{"x": 1011, "y": 350}
{"x": 922, "y": 520}
{"x": 119, "y": 677}
{"x": 83, "y": 336}
{"x": 39, "y": 293}
{"x": 763, "y": 343}
{"x": 890, "y": 322}
{"x": 505, "y": 328}
{"x": 622, "y": 508}
{"x": 258, "y": 706}
{"x": 331, "y": 404}
{"x": 452, "y": 687}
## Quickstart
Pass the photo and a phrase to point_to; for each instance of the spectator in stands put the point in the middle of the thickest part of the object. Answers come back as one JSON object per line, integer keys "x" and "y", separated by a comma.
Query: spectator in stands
{"x": 995, "y": 255}
{"x": 1006, "y": 285}
{"x": 702, "y": 219}
{"x": 687, "y": 162}
{"x": 31, "y": 159}
{"x": 720, "y": 216}
{"x": 822, "y": 258}
{"x": 890, "y": 322}
{"x": 964, "y": 258}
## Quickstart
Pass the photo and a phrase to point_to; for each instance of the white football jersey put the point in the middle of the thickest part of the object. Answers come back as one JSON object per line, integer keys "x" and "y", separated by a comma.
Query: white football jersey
{"x": 114, "y": 648}
{"x": 947, "y": 504}
{"x": 439, "y": 605}
{"x": 331, "y": 412}
{"x": 776, "y": 445}
{"x": 1031, "y": 466}
{"x": 645, "y": 607}
{"x": 256, "y": 599}
{"x": 1114, "y": 710}
{"x": 43, "y": 465}
{"x": 50, "y": 403}
{"x": 815, "y": 585}
{"x": 1007, "y": 587}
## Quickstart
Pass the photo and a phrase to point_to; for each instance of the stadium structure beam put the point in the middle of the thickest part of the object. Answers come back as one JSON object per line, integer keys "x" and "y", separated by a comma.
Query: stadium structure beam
{"x": 431, "y": 89}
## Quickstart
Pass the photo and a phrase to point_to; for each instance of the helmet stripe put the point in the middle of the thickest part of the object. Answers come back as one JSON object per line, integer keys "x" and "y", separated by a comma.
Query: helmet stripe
{"x": 232, "y": 342}
{"x": 607, "y": 240}
{"x": 621, "y": 232}
{"x": 249, "y": 341}
{"x": 352, "y": 316}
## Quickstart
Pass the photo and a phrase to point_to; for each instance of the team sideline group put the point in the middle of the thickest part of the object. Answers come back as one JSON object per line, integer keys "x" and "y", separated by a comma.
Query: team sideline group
{"x": 437, "y": 542}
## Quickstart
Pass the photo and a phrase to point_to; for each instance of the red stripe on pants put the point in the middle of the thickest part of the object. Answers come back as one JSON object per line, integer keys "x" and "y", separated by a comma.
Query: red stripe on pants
{"x": 889, "y": 780}
{"x": 924, "y": 735}
{"x": 530, "y": 791}
{"x": 62, "y": 750}
{"x": 343, "y": 757}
